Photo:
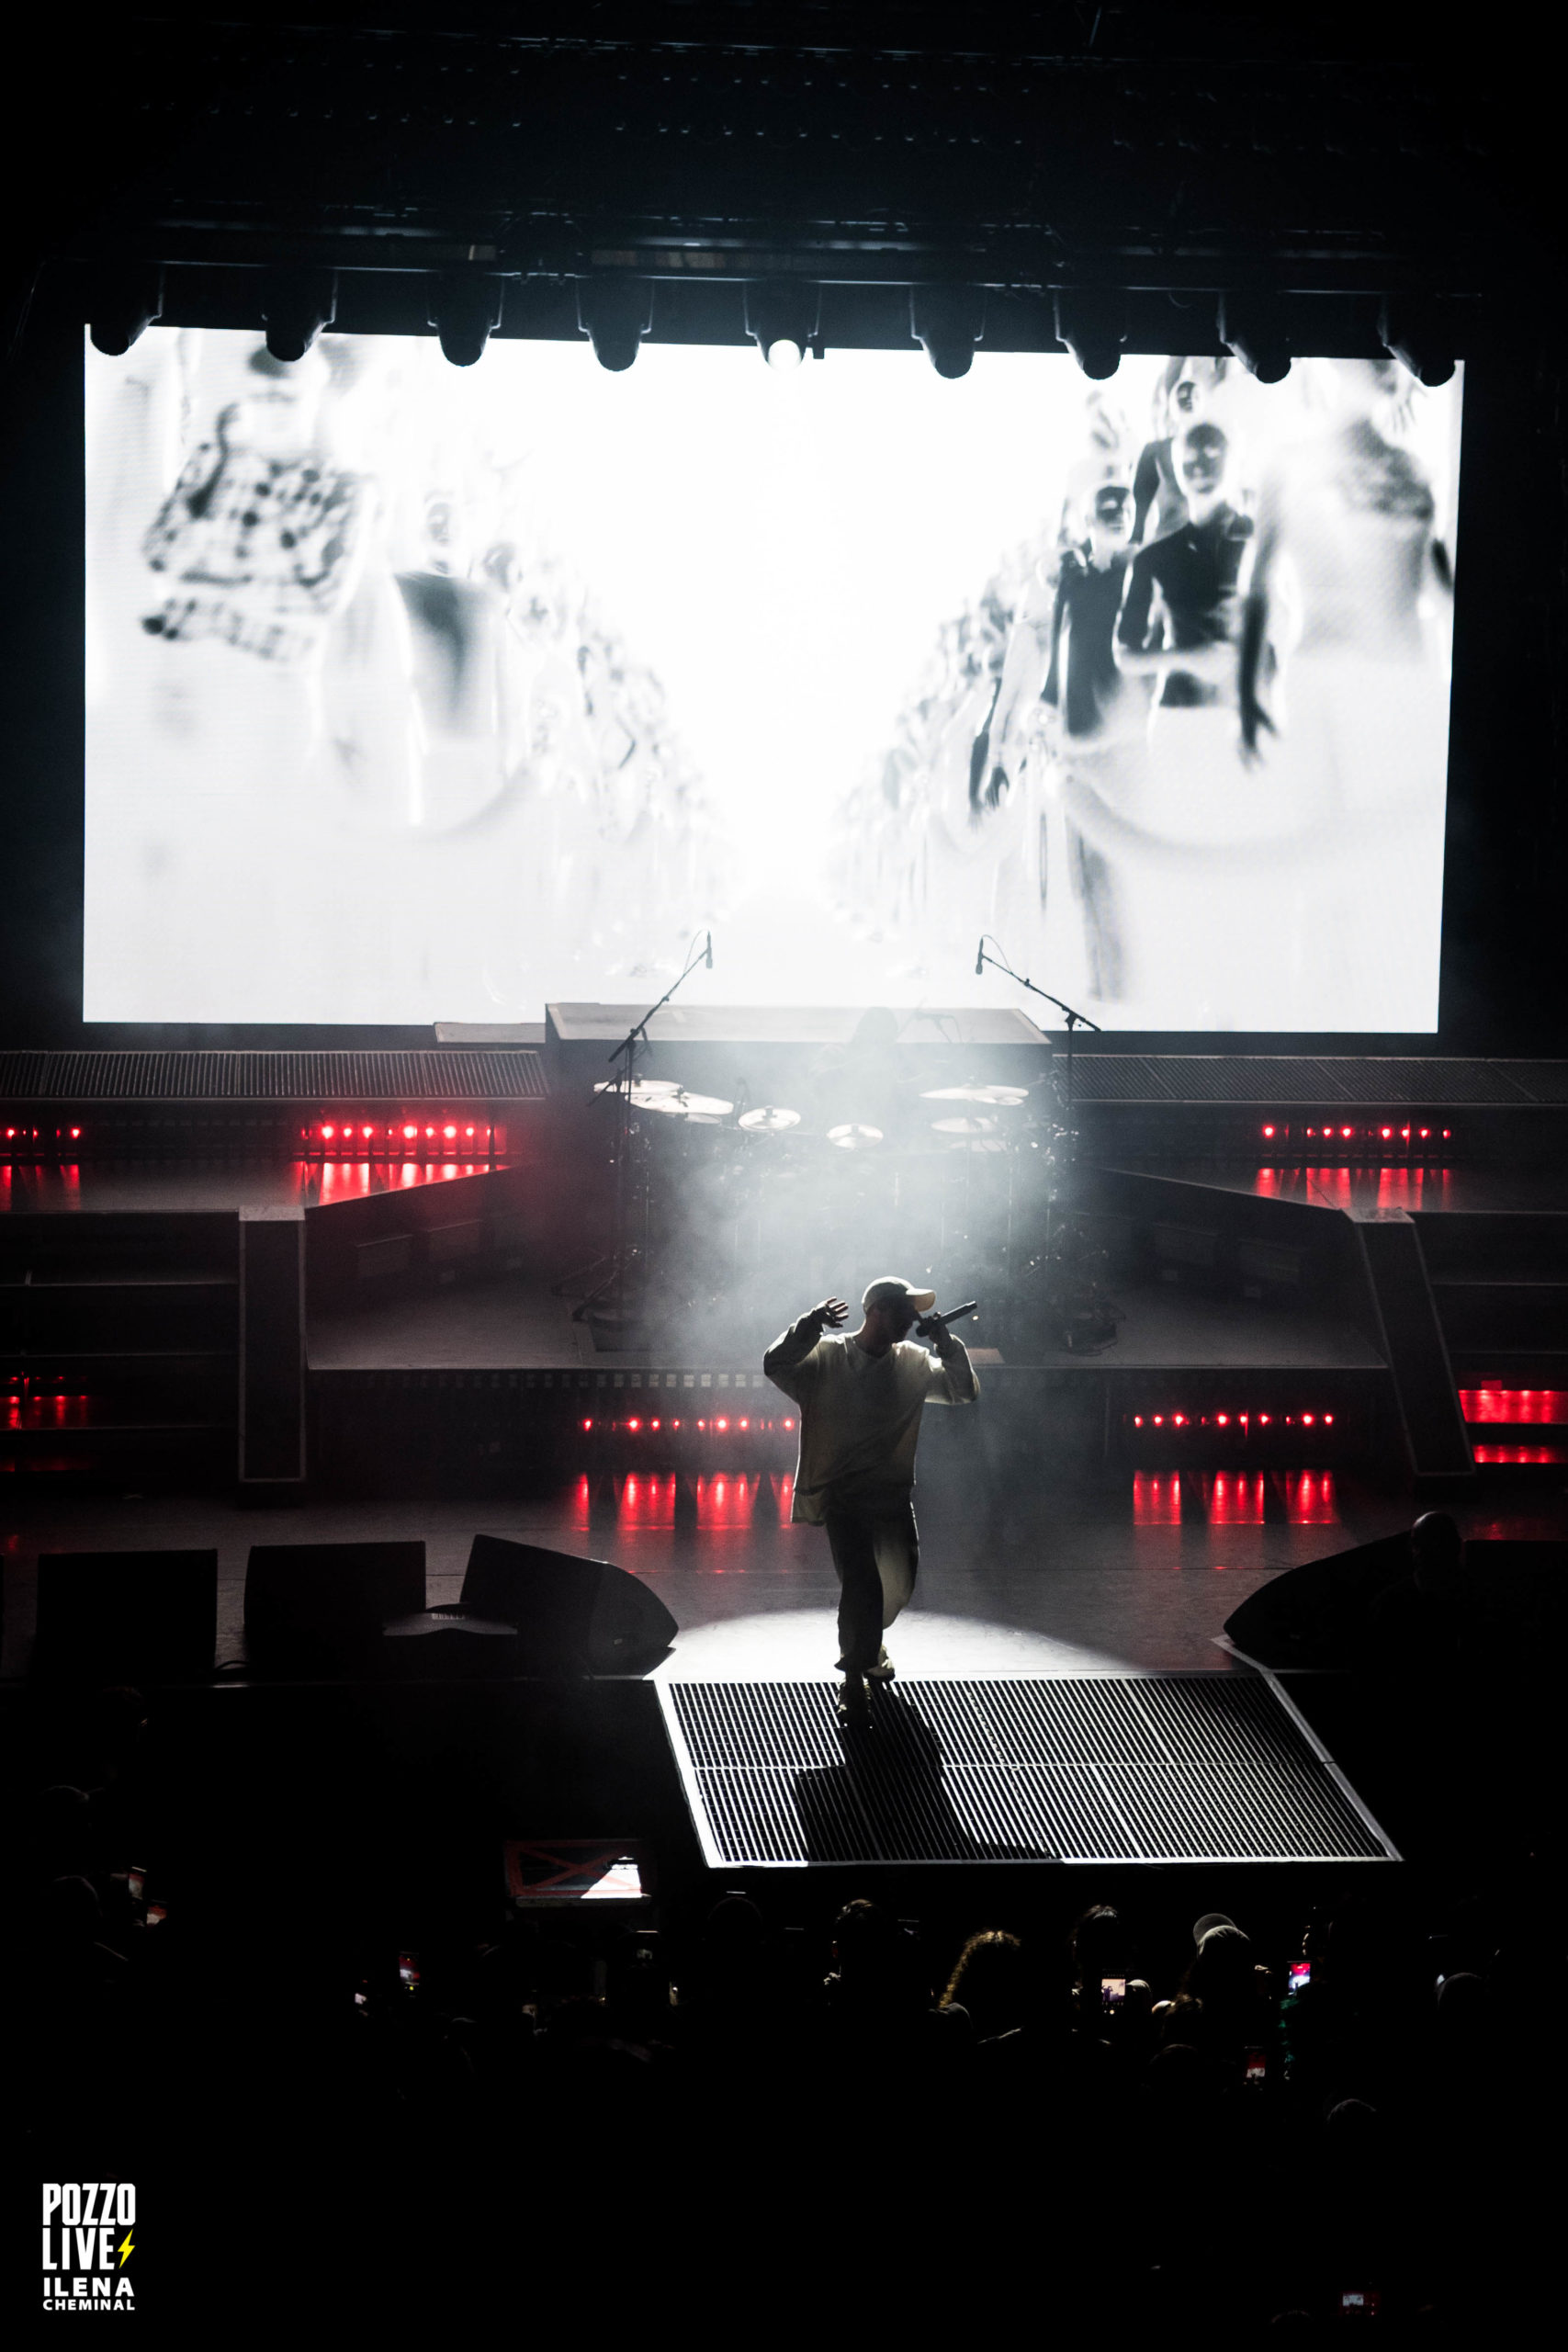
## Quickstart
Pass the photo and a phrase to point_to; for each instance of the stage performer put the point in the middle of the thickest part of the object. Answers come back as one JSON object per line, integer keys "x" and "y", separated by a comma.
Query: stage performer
{"x": 861, "y": 1398}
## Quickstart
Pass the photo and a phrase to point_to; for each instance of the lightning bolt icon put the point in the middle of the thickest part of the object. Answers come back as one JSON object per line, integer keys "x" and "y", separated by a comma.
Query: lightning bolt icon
{"x": 124, "y": 2248}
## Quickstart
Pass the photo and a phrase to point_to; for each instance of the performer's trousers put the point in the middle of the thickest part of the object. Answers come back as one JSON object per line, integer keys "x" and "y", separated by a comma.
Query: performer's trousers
{"x": 875, "y": 1554}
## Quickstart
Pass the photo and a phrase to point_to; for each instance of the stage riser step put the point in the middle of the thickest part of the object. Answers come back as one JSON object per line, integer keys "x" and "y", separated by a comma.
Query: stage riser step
{"x": 1157, "y": 1769}
{"x": 1506, "y": 1244}
{"x": 92, "y": 1320}
{"x": 1478, "y": 1315}
{"x": 1417, "y": 1355}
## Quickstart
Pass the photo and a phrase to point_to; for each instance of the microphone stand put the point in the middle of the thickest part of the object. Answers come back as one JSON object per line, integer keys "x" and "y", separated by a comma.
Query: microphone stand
{"x": 622, "y": 1257}
{"x": 1074, "y": 1020}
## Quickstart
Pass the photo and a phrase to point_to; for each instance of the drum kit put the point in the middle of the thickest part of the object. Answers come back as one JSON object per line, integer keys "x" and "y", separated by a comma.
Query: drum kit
{"x": 982, "y": 1120}
{"x": 712, "y": 1192}
{"x": 668, "y": 1099}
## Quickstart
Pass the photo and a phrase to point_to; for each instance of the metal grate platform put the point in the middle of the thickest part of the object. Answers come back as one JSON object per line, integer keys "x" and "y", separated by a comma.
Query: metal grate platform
{"x": 1171, "y": 1767}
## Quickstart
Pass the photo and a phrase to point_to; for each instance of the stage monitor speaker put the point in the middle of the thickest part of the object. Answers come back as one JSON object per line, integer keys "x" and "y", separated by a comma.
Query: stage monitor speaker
{"x": 449, "y": 1646}
{"x": 573, "y": 1616}
{"x": 126, "y": 1616}
{"x": 320, "y": 1607}
{"x": 1313, "y": 1615}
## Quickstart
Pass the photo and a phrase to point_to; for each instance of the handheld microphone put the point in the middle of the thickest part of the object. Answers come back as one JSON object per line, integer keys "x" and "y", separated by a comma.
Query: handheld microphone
{"x": 979, "y": 959}
{"x": 947, "y": 1314}
{"x": 708, "y": 957}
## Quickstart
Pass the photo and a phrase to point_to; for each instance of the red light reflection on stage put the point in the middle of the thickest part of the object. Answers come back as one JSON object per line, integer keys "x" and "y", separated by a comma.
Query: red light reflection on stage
{"x": 1391, "y": 1188}
{"x": 1520, "y": 1453}
{"x": 344, "y": 1179}
{"x": 1339, "y": 1183}
{"x": 1514, "y": 1406}
{"x": 1157, "y": 1498}
{"x": 1413, "y": 1188}
{"x": 352, "y": 1180}
{"x": 784, "y": 1492}
{"x": 581, "y": 1506}
{"x": 1310, "y": 1499}
{"x": 52, "y": 1412}
{"x": 645, "y": 1501}
{"x": 727, "y": 1501}
{"x": 1235, "y": 1497}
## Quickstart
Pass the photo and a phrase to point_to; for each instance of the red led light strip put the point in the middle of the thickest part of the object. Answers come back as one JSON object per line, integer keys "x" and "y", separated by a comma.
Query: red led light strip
{"x": 1390, "y": 1133}
{"x": 1227, "y": 1420}
{"x": 348, "y": 1132}
{"x": 723, "y": 1424}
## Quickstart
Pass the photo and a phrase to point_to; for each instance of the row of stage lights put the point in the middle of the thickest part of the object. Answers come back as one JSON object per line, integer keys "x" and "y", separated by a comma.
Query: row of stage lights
{"x": 760, "y": 1424}
{"x": 783, "y": 317}
{"x": 363, "y": 1134}
{"x": 1244, "y": 1423}
{"x": 356, "y": 1137}
{"x": 1382, "y": 1138}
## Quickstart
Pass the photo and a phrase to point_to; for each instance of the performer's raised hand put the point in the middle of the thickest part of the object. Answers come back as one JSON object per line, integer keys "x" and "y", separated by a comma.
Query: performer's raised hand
{"x": 829, "y": 1315}
{"x": 935, "y": 1332}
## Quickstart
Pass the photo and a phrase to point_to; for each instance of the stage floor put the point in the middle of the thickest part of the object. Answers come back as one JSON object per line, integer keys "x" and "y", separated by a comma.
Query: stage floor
{"x": 1063, "y": 1580}
{"x": 1420, "y": 1191}
{"x": 185, "y": 1187}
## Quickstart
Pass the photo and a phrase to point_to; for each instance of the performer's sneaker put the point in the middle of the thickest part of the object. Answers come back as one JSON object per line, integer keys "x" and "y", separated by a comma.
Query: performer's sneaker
{"x": 853, "y": 1705}
{"x": 882, "y": 1671}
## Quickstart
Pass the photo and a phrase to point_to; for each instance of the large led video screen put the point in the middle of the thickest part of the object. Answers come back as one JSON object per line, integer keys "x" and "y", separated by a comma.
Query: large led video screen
{"x": 419, "y": 692}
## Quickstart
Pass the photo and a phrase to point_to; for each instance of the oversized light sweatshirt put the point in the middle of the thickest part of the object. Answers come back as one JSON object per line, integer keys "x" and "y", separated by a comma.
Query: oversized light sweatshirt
{"x": 859, "y": 1415}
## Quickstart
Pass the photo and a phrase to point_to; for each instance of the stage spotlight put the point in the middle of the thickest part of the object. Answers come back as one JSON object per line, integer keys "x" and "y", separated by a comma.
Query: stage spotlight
{"x": 124, "y": 305}
{"x": 465, "y": 311}
{"x": 614, "y": 313}
{"x": 1093, "y": 323}
{"x": 1253, "y": 327}
{"x": 1411, "y": 326}
{"x": 948, "y": 322}
{"x": 296, "y": 305}
{"x": 781, "y": 318}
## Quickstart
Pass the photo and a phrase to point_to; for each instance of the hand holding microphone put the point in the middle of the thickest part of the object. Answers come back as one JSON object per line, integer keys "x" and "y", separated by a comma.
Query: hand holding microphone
{"x": 934, "y": 1327}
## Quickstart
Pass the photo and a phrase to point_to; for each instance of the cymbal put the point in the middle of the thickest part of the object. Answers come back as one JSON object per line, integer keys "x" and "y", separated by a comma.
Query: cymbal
{"x": 855, "y": 1138}
{"x": 682, "y": 1105}
{"x": 966, "y": 1127}
{"x": 644, "y": 1090}
{"x": 768, "y": 1119}
{"x": 1003, "y": 1098}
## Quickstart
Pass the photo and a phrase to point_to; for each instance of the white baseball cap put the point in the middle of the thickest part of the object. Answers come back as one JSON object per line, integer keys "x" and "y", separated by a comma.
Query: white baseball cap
{"x": 892, "y": 1290}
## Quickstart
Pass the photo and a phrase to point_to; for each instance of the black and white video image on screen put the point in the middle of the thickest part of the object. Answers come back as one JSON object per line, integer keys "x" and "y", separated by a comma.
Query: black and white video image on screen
{"x": 416, "y": 692}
